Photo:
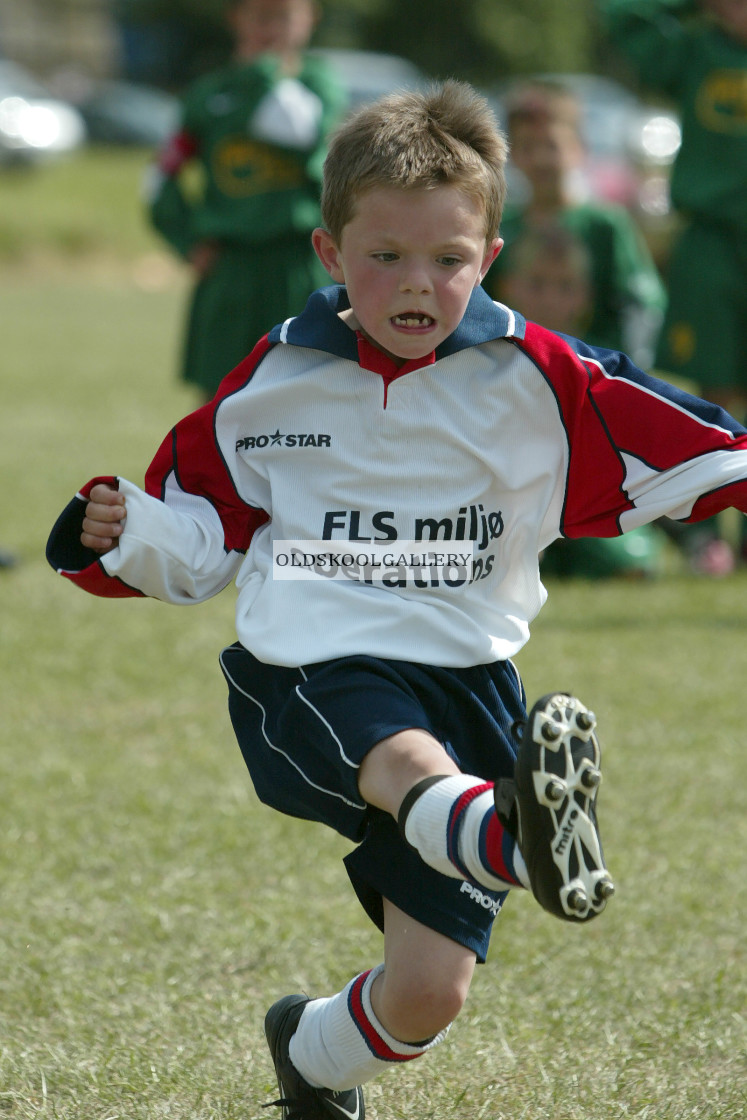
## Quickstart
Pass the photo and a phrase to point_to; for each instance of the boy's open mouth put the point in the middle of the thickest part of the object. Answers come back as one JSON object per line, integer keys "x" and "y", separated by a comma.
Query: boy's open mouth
{"x": 412, "y": 319}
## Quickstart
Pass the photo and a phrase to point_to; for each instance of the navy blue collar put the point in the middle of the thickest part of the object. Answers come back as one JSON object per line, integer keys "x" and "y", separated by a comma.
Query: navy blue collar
{"x": 319, "y": 326}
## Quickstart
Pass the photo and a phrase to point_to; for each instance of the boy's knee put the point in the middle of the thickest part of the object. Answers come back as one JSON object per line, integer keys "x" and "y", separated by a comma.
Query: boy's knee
{"x": 418, "y": 1007}
{"x": 396, "y": 764}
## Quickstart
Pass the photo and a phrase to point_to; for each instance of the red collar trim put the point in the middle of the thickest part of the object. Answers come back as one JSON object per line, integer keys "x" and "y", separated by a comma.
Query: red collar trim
{"x": 375, "y": 360}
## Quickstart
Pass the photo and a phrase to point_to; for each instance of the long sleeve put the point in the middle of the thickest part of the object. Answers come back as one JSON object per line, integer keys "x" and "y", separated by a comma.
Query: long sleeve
{"x": 185, "y": 534}
{"x": 639, "y": 448}
{"x": 169, "y": 207}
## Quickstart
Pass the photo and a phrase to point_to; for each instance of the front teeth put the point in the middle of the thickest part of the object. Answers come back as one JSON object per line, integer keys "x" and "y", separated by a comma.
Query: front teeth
{"x": 406, "y": 321}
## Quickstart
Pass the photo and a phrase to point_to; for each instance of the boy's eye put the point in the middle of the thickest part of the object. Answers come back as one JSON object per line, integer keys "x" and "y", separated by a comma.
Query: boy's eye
{"x": 448, "y": 260}
{"x": 385, "y": 258}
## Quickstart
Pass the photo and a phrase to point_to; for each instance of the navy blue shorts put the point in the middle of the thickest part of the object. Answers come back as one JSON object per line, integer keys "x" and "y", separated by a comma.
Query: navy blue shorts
{"x": 304, "y": 733}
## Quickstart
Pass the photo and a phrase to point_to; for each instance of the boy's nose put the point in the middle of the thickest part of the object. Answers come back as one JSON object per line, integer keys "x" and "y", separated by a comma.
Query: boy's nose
{"x": 415, "y": 278}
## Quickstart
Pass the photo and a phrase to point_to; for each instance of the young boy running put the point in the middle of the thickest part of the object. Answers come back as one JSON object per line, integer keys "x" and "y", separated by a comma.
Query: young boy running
{"x": 408, "y": 448}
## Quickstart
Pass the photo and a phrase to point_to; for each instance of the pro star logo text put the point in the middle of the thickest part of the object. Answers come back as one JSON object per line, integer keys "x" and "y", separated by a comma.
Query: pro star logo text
{"x": 284, "y": 439}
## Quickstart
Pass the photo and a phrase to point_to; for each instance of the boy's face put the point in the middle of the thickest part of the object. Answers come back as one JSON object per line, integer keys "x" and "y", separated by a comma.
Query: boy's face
{"x": 545, "y": 152}
{"x": 410, "y": 260}
{"x": 550, "y": 292}
{"x": 731, "y": 15}
{"x": 278, "y": 26}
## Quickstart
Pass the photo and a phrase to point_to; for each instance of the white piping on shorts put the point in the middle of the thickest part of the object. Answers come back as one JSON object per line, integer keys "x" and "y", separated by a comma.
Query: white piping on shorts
{"x": 330, "y": 793}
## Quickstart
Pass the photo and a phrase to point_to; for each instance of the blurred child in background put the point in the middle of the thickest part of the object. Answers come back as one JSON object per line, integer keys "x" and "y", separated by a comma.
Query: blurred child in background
{"x": 549, "y": 280}
{"x": 543, "y": 120}
{"x": 255, "y": 130}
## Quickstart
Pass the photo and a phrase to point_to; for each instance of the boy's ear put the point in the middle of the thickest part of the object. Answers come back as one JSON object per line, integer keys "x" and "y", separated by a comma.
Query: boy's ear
{"x": 326, "y": 249}
{"x": 493, "y": 249}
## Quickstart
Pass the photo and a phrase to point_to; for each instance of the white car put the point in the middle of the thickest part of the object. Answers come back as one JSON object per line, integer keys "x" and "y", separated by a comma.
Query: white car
{"x": 368, "y": 75}
{"x": 34, "y": 123}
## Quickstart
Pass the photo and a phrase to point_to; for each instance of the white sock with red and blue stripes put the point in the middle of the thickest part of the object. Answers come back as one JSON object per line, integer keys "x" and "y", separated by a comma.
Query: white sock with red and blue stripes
{"x": 339, "y": 1043}
{"x": 451, "y": 821}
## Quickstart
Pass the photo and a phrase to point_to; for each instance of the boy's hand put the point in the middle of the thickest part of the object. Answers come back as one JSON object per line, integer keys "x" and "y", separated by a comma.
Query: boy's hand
{"x": 103, "y": 522}
{"x": 203, "y": 256}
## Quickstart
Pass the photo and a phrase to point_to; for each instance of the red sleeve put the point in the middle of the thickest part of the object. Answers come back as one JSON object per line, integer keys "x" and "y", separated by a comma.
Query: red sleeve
{"x": 178, "y": 150}
{"x": 191, "y": 454}
{"x": 614, "y": 415}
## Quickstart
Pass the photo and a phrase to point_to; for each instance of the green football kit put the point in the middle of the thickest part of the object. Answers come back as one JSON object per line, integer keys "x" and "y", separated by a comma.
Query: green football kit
{"x": 244, "y": 173}
{"x": 624, "y": 278}
{"x": 705, "y": 71}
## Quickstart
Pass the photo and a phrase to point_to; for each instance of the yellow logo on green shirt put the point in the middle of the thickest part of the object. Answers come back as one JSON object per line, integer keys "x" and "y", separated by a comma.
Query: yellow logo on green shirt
{"x": 721, "y": 104}
{"x": 243, "y": 167}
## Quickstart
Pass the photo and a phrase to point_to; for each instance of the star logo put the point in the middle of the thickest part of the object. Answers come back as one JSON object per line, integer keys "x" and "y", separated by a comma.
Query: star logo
{"x": 276, "y": 437}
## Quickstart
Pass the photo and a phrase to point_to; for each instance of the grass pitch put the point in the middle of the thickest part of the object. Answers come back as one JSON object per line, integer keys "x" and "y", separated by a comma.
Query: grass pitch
{"x": 151, "y": 909}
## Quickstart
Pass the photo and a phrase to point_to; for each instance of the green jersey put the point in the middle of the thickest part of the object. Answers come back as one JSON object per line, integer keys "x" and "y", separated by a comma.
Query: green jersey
{"x": 624, "y": 278}
{"x": 705, "y": 71}
{"x": 259, "y": 139}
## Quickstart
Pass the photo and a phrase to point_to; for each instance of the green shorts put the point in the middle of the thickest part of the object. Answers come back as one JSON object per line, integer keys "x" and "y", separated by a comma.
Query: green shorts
{"x": 249, "y": 291}
{"x": 704, "y": 336}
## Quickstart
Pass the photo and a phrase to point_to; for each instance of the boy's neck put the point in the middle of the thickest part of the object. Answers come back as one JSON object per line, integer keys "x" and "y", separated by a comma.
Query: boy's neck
{"x": 349, "y": 319}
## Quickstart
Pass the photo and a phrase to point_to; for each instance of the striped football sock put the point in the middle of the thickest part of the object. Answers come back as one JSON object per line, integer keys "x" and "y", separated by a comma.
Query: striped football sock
{"x": 339, "y": 1043}
{"x": 451, "y": 821}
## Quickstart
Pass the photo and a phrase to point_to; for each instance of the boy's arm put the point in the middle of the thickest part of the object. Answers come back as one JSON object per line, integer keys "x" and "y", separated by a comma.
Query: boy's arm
{"x": 652, "y": 36}
{"x": 178, "y": 556}
{"x": 182, "y": 539}
{"x": 168, "y": 206}
{"x": 638, "y": 448}
{"x": 674, "y": 455}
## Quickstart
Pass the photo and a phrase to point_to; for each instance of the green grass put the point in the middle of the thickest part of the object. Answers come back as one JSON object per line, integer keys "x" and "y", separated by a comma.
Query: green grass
{"x": 151, "y": 909}
{"x": 83, "y": 205}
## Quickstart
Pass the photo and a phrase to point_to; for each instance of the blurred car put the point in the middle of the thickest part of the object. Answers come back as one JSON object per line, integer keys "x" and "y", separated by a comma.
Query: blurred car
{"x": 631, "y": 145}
{"x": 121, "y": 112}
{"x": 367, "y": 75}
{"x": 34, "y": 123}
{"x": 128, "y": 113}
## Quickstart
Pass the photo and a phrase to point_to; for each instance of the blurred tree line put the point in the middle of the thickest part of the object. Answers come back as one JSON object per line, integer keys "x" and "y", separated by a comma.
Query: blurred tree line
{"x": 169, "y": 42}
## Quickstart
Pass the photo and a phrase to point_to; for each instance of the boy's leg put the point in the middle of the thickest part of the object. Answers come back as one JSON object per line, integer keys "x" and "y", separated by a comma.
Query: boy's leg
{"x": 425, "y": 980}
{"x": 546, "y": 816}
{"x": 447, "y": 816}
{"x": 381, "y": 1019}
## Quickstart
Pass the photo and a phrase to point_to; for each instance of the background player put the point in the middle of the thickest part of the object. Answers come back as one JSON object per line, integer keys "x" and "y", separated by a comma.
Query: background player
{"x": 543, "y": 119}
{"x": 256, "y": 131}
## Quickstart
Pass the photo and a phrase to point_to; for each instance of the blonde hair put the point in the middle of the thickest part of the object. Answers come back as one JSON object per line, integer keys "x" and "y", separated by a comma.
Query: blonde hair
{"x": 446, "y": 135}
